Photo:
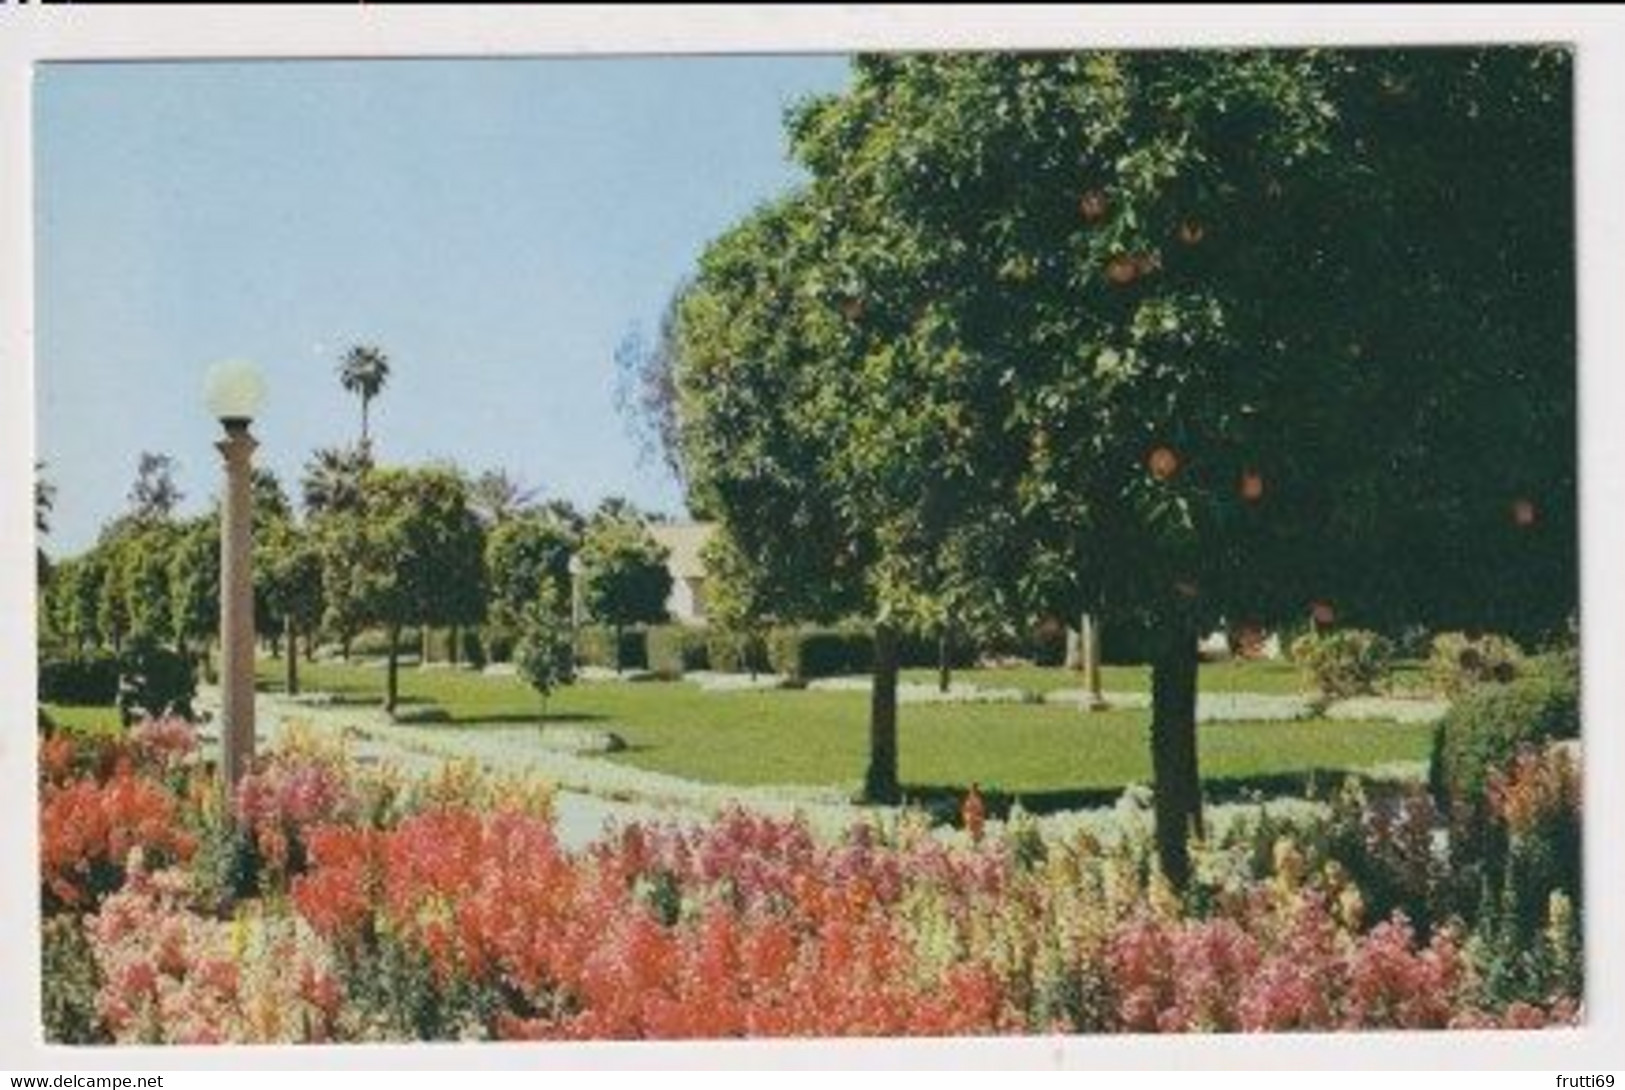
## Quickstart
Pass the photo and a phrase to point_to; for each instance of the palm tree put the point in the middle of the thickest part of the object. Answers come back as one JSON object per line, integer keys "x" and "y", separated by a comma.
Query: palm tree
{"x": 363, "y": 371}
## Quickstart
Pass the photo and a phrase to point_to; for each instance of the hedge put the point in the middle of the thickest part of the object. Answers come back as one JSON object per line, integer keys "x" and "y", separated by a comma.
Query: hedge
{"x": 802, "y": 654}
{"x": 596, "y": 647}
{"x": 675, "y": 649}
{"x": 79, "y": 679}
{"x": 731, "y": 652}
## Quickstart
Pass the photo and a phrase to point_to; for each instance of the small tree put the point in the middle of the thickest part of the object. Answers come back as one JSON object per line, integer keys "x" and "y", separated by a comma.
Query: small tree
{"x": 545, "y": 653}
{"x": 520, "y": 555}
{"x": 625, "y": 579}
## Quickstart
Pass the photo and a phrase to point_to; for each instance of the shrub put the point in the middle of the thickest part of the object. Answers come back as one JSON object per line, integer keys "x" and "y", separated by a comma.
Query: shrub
{"x": 70, "y": 981}
{"x": 802, "y": 654}
{"x": 1459, "y": 663}
{"x": 1484, "y": 731}
{"x": 734, "y": 652}
{"x": 1343, "y": 664}
{"x": 676, "y": 649}
{"x": 154, "y": 681}
{"x": 595, "y": 646}
{"x": 79, "y": 679}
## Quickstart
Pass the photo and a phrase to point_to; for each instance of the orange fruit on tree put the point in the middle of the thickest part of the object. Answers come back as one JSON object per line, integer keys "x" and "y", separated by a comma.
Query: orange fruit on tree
{"x": 1092, "y": 205}
{"x": 1191, "y": 232}
{"x": 1122, "y": 269}
{"x": 1163, "y": 463}
{"x": 1251, "y": 486}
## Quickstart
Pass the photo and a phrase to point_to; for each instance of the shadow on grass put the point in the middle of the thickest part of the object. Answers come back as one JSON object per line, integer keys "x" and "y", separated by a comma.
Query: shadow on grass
{"x": 1321, "y": 784}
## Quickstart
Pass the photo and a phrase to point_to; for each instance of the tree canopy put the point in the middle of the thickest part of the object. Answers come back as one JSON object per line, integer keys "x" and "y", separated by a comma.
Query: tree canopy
{"x": 1179, "y": 335}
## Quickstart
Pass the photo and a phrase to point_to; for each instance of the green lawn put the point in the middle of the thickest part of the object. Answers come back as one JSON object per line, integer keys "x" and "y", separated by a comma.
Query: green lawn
{"x": 821, "y": 737}
{"x": 1220, "y": 677}
{"x": 84, "y": 718}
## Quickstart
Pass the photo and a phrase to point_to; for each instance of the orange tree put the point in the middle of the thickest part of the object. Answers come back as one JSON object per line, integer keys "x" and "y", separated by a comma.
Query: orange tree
{"x": 1176, "y": 336}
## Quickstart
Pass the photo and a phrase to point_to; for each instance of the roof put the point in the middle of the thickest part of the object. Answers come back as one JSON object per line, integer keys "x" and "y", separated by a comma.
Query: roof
{"x": 685, "y": 540}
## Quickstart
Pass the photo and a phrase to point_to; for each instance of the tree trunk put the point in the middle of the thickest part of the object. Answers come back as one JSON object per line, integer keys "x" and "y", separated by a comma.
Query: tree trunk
{"x": 344, "y": 647}
{"x": 617, "y": 651}
{"x": 392, "y": 680}
{"x": 880, "y": 782}
{"x": 1089, "y": 662}
{"x": 291, "y": 674}
{"x": 945, "y": 666}
{"x": 423, "y": 645}
{"x": 456, "y": 637}
{"x": 310, "y": 646}
{"x": 1177, "y": 781}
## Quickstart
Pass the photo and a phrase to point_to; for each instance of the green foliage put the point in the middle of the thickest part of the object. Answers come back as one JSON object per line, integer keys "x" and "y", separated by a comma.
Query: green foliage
{"x": 802, "y": 654}
{"x": 521, "y": 554}
{"x": 603, "y": 647}
{"x": 624, "y": 578}
{"x": 194, "y": 582}
{"x": 90, "y": 678}
{"x": 736, "y": 652}
{"x": 289, "y": 561}
{"x": 69, "y": 982}
{"x": 545, "y": 653}
{"x": 1345, "y": 663}
{"x": 1485, "y": 730}
{"x": 674, "y": 650}
{"x": 1459, "y": 663}
{"x": 154, "y": 681}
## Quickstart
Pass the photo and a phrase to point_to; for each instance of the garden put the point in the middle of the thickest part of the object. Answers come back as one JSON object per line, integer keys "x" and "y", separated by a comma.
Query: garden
{"x": 341, "y": 902}
{"x": 952, "y": 397}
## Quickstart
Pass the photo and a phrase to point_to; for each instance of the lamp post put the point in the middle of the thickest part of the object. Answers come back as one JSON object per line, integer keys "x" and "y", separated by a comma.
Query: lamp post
{"x": 234, "y": 390}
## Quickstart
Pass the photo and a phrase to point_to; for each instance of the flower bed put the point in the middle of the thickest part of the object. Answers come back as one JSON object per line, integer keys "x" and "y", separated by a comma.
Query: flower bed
{"x": 346, "y": 903}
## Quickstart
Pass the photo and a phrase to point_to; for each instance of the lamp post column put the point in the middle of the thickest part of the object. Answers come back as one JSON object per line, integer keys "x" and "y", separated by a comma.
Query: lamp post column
{"x": 236, "y": 608}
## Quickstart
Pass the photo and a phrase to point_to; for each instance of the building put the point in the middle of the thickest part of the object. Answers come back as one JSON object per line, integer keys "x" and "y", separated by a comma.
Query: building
{"x": 685, "y": 542}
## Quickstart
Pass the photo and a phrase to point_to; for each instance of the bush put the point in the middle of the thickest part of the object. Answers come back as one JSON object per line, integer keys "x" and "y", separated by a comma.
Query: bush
{"x": 1487, "y": 727}
{"x": 154, "y": 681}
{"x": 1046, "y": 645}
{"x": 732, "y": 652}
{"x": 79, "y": 679}
{"x": 1343, "y": 664}
{"x": 1459, "y": 663}
{"x": 802, "y": 654}
{"x": 676, "y": 649}
{"x": 596, "y": 647}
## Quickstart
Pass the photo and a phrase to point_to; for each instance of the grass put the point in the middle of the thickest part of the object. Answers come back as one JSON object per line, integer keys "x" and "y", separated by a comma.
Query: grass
{"x": 1216, "y": 677}
{"x": 85, "y": 718}
{"x": 805, "y": 737}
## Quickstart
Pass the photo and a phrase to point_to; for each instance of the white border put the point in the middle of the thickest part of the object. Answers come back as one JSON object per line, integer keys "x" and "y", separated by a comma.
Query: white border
{"x": 33, "y": 34}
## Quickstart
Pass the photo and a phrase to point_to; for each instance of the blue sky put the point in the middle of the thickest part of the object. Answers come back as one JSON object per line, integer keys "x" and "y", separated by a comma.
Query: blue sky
{"x": 496, "y": 226}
